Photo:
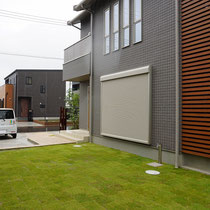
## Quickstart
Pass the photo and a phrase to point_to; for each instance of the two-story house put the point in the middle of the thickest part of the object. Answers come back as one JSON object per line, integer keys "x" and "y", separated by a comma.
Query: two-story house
{"x": 42, "y": 91}
{"x": 143, "y": 68}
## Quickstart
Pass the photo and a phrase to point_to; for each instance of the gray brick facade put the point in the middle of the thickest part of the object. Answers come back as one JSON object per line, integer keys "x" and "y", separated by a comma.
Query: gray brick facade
{"x": 158, "y": 50}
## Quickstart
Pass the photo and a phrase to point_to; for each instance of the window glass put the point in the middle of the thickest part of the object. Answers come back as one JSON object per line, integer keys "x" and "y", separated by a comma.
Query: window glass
{"x": 137, "y": 10}
{"x": 107, "y": 19}
{"x": 116, "y": 26}
{"x": 107, "y": 31}
{"x": 126, "y": 9}
{"x": 107, "y": 45}
{"x": 126, "y": 23}
{"x": 116, "y": 41}
{"x": 126, "y": 37}
{"x": 42, "y": 89}
{"x": 42, "y": 106}
{"x": 137, "y": 21}
{"x": 28, "y": 80}
{"x": 6, "y": 114}
{"x": 116, "y": 17}
{"x": 138, "y": 33}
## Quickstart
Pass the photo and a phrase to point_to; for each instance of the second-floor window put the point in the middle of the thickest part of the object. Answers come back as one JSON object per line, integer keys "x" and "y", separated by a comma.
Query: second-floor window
{"x": 126, "y": 23}
{"x": 116, "y": 26}
{"x": 107, "y": 31}
{"x": 137, "y": 21}
{"x": 42, "y": 89}
{"x": 128, "y": 30}
{"x": 28, "y": 80}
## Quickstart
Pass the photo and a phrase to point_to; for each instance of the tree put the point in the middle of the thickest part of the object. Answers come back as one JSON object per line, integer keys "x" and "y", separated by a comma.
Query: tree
{"x": 72, "y": 104}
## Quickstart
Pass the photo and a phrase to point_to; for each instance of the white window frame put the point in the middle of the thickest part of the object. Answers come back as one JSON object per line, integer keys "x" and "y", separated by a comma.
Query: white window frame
{"x": 115, "y": 31}
{"x": 124, "y": 27}
{"x": 108, "y": 35}
{"x": 135, "y": 22}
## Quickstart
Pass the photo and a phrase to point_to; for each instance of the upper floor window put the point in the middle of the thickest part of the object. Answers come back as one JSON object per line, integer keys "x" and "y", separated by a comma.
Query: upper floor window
{"x": 107, "y": 31}
{"x": 116, "y": 26}
{"x": 126, "y": 23}
{"x": 28, "y": 80}
{"x": 42, "y": 89}
{"x": 137, "y": 21}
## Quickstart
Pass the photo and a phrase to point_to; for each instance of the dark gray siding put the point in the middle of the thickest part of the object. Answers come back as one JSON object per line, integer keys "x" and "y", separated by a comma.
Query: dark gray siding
{"x": 85, "y": 27}
{"x": 158, "y": 50}
{"x": 54, "y": 96}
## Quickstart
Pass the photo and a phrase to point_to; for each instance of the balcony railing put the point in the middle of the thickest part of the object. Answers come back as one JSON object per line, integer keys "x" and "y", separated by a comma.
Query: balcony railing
{"x": 77, "y": 50}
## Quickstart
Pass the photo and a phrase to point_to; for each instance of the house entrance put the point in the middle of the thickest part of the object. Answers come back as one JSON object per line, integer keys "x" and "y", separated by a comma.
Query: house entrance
{"x": 24, "y": 106}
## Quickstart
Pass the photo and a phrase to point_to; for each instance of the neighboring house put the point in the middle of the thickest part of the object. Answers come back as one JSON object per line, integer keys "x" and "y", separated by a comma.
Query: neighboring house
{"x": 6, "y": 96}
{"x": 41, "y": 91}
{"x": 143, "y": 68}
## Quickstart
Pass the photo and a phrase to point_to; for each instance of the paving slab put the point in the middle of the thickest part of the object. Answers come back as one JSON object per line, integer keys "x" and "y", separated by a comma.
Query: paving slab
{"x": 154, "y": 164}
{"x": 47, "y": 138}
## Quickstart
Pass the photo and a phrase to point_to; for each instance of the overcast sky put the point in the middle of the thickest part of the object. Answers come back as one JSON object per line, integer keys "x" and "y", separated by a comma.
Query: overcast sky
{"x": 23, "y": 37}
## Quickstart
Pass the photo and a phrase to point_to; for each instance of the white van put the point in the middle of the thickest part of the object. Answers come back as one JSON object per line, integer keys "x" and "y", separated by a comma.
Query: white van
{"x": 8, "y": 122}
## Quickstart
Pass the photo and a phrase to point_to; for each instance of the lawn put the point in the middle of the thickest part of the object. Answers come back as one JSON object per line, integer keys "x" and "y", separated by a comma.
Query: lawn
{"x": 95, "y": 177}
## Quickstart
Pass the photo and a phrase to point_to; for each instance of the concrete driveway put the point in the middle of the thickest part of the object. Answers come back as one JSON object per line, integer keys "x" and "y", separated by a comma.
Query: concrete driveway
{"x": 9, "y": 142}
{"x": 37, "y": 139}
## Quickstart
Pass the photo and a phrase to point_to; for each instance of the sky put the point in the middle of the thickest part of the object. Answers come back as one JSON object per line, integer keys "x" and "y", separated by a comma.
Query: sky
{"x": 24, "y": 37}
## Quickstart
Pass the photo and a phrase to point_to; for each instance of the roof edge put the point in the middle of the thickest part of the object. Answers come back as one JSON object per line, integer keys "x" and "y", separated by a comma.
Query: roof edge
{"x": 31, "y": 70}
{"x": 84, "y": 4}
{"x": 78, "y": 18}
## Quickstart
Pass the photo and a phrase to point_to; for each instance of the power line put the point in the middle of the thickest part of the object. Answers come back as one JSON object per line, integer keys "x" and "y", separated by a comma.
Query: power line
{"x": 37, "y": 19}
{"x": 31, "y": 20}
{"x": 31, "y": 56}
{"x": 23, "y": 14}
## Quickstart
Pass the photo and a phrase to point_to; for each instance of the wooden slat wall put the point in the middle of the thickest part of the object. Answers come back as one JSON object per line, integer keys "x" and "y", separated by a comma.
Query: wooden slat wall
{"x": 195, "y": 28}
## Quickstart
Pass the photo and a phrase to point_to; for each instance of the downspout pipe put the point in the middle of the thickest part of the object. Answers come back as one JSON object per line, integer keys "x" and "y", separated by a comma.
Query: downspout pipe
{"x": 91, "y": 75}
{"x": 177, "y": 51}
{"x": 91, "y": 66}
{"x": 91, "y": 82}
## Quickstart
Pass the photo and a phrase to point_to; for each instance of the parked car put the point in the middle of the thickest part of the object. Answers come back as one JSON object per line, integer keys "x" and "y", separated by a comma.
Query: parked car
{"x": 8, "y": 122}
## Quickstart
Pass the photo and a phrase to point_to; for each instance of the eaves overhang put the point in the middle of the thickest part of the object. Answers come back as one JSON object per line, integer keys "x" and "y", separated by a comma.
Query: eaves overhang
{"x": 78, "y": 18}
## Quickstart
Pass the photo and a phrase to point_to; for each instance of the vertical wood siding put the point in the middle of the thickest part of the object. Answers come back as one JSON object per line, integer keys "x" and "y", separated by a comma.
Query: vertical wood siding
{"x": 195, "y": 28}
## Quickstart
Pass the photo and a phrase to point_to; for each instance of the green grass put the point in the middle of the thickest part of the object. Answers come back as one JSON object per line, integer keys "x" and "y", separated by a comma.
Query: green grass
{"x": 95, "y": 177}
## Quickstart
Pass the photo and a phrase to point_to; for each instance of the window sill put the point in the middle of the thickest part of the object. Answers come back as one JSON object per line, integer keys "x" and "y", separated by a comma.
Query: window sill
{"x": 106, "y": 54}
{"x": 115, "y": 50}
{"x": 126, "y": 46}
{"x": 137, "y": 42}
